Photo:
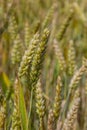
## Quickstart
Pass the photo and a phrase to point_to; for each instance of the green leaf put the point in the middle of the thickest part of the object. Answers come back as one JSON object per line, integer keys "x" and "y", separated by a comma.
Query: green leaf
{"x": 23, "y": 112}
{"x": 5, "y": 82}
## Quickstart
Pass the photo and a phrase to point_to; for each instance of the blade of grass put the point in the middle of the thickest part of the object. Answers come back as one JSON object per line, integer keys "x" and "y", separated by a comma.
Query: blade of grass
{"x": 29, "y": 116}
{"x": 23, "y": 112}
{"x": 5, "y": 82}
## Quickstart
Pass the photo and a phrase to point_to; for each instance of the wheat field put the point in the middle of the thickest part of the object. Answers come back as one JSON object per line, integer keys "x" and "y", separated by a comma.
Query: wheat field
{"x": 43, "y": 65}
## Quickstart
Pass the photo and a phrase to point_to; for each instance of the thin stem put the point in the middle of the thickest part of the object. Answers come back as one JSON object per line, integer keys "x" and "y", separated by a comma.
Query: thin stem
{"x": 31, "y": 102}
{"x": 41, "y": 124}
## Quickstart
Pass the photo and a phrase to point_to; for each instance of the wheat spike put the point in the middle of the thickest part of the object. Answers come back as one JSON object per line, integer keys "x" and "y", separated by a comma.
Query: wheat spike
{"x": 71, "y": 58}
{"x": 2, "y": 115}
{"x": 76, "y": 78}
{"x": 65, "y": 25}
{"x": 57, "y": 102}
{"x": 17, "y": 50}
{"x": 16, "y": 121}
{"x": 51, "y": 119}
{"x": 12, "y": 27}
{"x": 72, "y": 113}
{"x": 38, "y": 58}
{"x": 59, "y": 55}
{"x": 27, "y": 34}
{"x": 40, "y": 103}
{"x": 28, "y": 55}
{"x": 48, "y": 16}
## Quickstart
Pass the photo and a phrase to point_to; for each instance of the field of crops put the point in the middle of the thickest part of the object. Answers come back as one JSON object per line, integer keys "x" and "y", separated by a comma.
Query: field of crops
{"x": 43, "y": 64}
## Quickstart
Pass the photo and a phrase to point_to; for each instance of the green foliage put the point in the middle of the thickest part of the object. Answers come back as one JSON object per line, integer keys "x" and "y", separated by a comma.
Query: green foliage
{"x": 23, "y": 112}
